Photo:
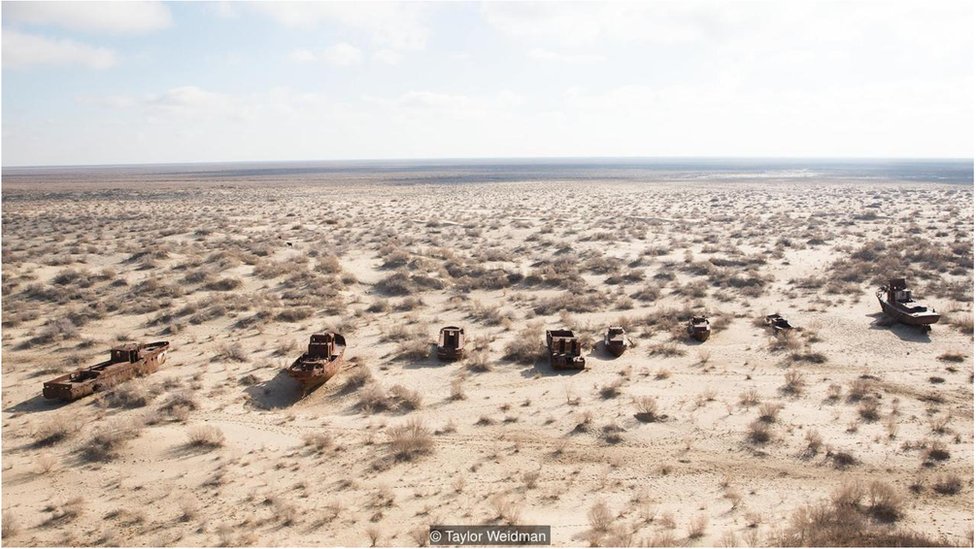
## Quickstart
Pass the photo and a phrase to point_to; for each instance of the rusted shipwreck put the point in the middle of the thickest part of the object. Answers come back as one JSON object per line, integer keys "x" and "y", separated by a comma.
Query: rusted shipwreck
{"x": 321, "y": 362}
{"x": 778, "y": 324}
{"x": 564, "y": 350}
{"x": 125, "y": 362}
{"x": 615, "y": 340}
{"x": 898, "y": 304}
{"x": 450, "y": 343}
{"x": 699, "y": 328}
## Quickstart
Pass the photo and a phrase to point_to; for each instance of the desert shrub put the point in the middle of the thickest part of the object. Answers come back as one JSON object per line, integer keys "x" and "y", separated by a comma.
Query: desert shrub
{"x": 457, "y": 389}
{"x": 477, "y": 361}
{"x": 489, "y": 315}
{"x": 572, "y": 302}
{"x": 205, "y": 436}
{"x": 107, "y": 441}
{"x": 318, "y": 441}
{"x": 372, "y": 398}
{"x": 794, "y": 382}
{"x": 647, "y": 293}
{"x": 404, "y": 398}
{"x": 358, "y": 378}
{"x": 132, "y": 394}
{"x": 769, "y": 412}
{"x": 666, "y": 349}
{"x": 612, "y": 433}
{"x": 600, "y": 516}
{"x": 952, "y": 357}
{"x": 10, "y": 525}
{"x": 409, "y": 304}
{"x": 844, "y": 522}
{"x": 808, "y": 356}
{"x": 785, "y": 341}
{"x": 178, "y": 405}
{"x": 526, "y": 347}
{"x": 697, "y": 526}
{"x": 231, "y": 351}
{"x": 328, "y": 265}
{"x": 54, "y": 431}
{"x": 937, "y": 451}
{"x": 842, "y": 460}
{"x": 947, "y": 485}
{"x": 758, "y": 432}
{"x": 749, "y": 397}
{"x": 612, "y": 389}
{"x": 294, "y": 314}
{"x": 647, "y": 409}
{"x": 884, "y": 504}
{"x": 859, "y": 388}
{"x": 410, "y": 440}
{"x": 413, "y": 349}
{"x": 869, "y": 409}
{"x": 814, "y": 442}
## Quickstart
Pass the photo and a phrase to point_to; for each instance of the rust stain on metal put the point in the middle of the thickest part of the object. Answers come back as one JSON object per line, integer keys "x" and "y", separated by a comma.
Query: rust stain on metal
{"x": 124, "y": 363}
{"x": 699, "y": 328}
{"x": 615, "y": 340}
{"x": 450, "y": 343}
{"x": 564, "y": 350}
{"x": 897, "y": 302}
{"x": 320, "y": 362}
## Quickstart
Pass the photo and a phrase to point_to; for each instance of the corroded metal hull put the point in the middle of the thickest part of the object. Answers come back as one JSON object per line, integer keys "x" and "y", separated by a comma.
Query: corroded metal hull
{"x": 895, "y": 312}
{"x": 321, "y": 362}
{"x": 564, "y": 350}
{"x": 450, "y": 343}
{"x": 126, "y": 362}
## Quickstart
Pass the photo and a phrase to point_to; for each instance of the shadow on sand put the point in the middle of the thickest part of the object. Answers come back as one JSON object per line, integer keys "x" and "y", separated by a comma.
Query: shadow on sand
{"x": 281, "y": 391}
{"x": 430, "y": 362}
{"x": 903, "y": 331}
{"x": 35, "y": 404}
{"x": 541, "y": 368}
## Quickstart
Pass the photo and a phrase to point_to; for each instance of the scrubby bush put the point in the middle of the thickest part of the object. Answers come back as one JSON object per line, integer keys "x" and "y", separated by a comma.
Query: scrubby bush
{"x": 410, "y": 440}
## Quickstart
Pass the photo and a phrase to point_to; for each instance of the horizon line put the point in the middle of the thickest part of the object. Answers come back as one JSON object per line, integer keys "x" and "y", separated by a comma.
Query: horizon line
{"x": 495, "y": 158}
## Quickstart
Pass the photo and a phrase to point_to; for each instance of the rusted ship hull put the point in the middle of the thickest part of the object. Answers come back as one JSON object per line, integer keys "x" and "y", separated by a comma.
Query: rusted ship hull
{"x": 898, "y": 304}
{"x": 126, "y": 363}
{"x": 894, "y": 312}
{"x": 615, "y": 347}
{"x": 564, "y": 350}
{"x": 448, "y": 354}
{"x": 450, "y": 343}
{"x": 311, "y": 372}
{"x": 321, "y": 362}
{"x": 778, "y": 324}
{"x": 699, "y": 328}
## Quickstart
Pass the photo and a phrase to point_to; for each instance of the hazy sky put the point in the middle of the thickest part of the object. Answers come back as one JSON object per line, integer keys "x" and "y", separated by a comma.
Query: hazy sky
{"x": 96, "y": 83}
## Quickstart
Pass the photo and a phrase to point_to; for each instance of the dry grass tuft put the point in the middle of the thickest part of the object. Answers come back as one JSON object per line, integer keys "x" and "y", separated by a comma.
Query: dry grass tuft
{"x": 410, "y": 440}
{"x": 647, "y": 409}
{"x": 600, "y": 517}
{"x": 205, "y": 437}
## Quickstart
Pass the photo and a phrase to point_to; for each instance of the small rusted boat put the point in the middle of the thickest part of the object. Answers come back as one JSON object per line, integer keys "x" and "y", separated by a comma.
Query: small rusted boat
{"x": 898, "y": 304}
{"x": 615, "y": 340}
{"x": 320, "y": 362}
{"x": 564, "y": 350}
{"x": 778, "y": 323}
{"x": 699, "y": 328}
{"x": 450, "y": 343}
{"x": 125, "y": 362}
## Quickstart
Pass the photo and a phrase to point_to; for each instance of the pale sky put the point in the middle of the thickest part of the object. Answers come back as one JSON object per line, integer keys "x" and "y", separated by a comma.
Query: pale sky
{"x": 114, "y": 83}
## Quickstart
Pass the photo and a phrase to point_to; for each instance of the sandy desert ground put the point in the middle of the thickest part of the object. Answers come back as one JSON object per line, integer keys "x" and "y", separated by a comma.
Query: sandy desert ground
{"x": 851, "y": 426}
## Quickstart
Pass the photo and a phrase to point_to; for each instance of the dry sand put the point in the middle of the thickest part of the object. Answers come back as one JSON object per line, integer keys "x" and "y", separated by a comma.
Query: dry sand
{"x": 237, "y": 274}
